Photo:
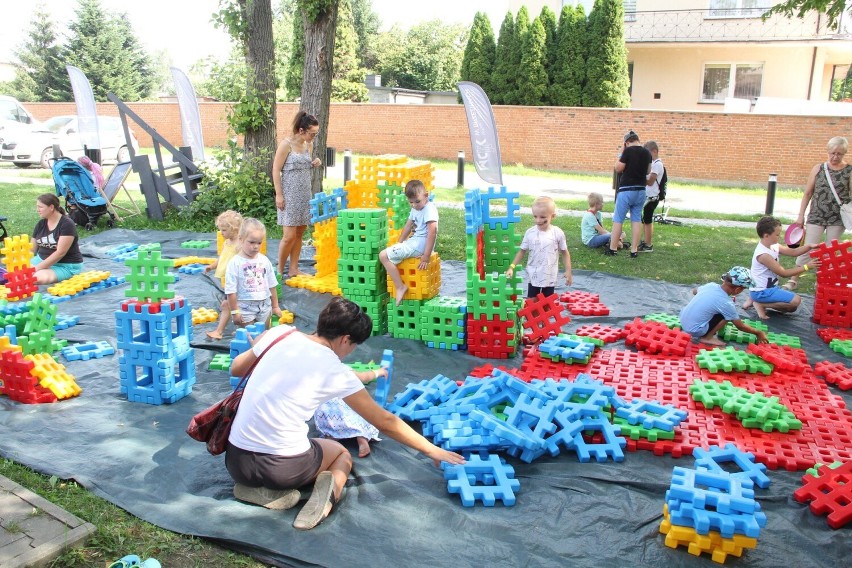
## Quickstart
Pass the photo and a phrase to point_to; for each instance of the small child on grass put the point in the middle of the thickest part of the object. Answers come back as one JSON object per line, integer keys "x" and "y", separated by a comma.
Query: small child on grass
{"x": 713, "y": 307}
{"x": 422, "y": 225}
{"x": 592, "y": 232}
{"x": 545, "y": 243}
{"x": 249, "y": 282}
{"x": 765, "y": 294}
{"x": 335, "y": 419}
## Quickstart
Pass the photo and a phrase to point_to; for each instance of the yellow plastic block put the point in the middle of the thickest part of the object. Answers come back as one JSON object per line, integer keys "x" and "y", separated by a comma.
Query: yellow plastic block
{"x": 6, "y": 344}
{"x": 327, "y": 252}
{"x": 286, "y": 317}
{"x": 17, "y": 252}
{"x": 324, "y": 284}
{"x": 4, "y": 292}
{"x": 53, "y": 376}
{"x": 78, "y": 283}
{"x": 204, "y": 315}
{"x": 184, "y": 260}
{"x": 422, "y": 284}
{"x": 712, "y": 543}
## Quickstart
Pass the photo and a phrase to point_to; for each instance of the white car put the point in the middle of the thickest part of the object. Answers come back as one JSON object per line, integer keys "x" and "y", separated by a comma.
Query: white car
{"x": 36, "y": 145}
{"x": 14, "y": 119}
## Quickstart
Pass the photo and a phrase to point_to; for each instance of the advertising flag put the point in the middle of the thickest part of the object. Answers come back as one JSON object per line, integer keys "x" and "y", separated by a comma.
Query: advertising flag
{"x": 87, "y": 113}
{"x": 190, "y": 118}
{"x": 483, "y": 133}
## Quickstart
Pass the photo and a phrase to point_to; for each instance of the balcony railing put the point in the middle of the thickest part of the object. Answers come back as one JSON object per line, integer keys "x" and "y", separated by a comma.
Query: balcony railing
{"x": 713, "y": 25}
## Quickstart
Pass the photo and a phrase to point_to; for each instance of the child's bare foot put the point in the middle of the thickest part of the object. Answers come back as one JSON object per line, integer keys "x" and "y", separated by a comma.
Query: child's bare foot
{"x": 748, "y": 303}
{"x": 761, "y": 311}
{"x": 363, "y": 447}
{"x": 400, "y": 293}
{"x": 298, "y": 273}
{"x": 214, "y": 335}
{"x": 712, "y": 340}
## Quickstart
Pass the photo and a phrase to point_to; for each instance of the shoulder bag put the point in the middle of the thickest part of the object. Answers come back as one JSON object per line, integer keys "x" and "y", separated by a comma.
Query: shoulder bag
{"x": 845, "y": 208}
{"x": 213, "y": 425}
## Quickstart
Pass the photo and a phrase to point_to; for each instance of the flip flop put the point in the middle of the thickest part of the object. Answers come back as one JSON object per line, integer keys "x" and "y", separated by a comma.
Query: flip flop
{"x": 277, "y": 499}
{"x": 129, "y": 561}
{"x": 319, "y": 504}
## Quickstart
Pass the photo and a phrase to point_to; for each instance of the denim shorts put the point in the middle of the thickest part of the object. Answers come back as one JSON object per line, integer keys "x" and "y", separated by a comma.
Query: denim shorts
{"x": 255, "y": 310}
{"x": 772, "y": 296}
{"x": 406, "y": 249}
{"x": 63, "y": 270}
{"x": 632, "y": 200}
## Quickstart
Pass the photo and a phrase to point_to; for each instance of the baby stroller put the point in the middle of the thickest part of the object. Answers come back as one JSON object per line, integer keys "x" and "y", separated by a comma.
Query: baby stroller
{"x": 85, "y": 205}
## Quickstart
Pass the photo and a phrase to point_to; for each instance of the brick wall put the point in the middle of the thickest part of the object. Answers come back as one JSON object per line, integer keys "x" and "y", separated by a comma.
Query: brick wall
{"x": 727, "y": 148}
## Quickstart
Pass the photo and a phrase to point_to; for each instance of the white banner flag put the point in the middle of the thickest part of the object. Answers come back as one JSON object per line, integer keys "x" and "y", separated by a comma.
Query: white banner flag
{"x": 87, "y": 112}
{"x": 483, "y": 133}
{"x": 190, "y": 119}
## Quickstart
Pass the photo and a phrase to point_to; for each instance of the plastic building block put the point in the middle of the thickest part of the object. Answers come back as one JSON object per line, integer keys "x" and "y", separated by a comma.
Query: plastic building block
{"x": 383, "y": 384}
{"x": 711, "y": 543}
{"x": 492, "y": 337}
{"x": 579, "y": 296}
{"x": 671, "y": 321}
{"x": 754, "y": 410}
{"x": 204, "y": 315}
{"x": 830, "y": 493}
{"x": 636, "y": 432}
{"x": 829, "y": 333}
{"x": 655, "y": 337}
{"x": 712, "y": 459}
{"x": 86, "y": 351}
{"x": 731, "y": 359}
{"x": 781, "y": 357}
{"x": 835, "y": 374}
{"x": 195, "y": 244}
{"x": 286, "y": 317}
{"x": 814, "y": 471}
{"x": 543, "y": 317}
{"x": 511, "y": 207}
{"x": 612, "y": 445}
{"x": 149, "y": 278}
{"x": 597, "y": 331}
{"x": 485, "y": 480}
{"x": 567, "y": 349}
{"x": 652, "y": 414}
{"x": 842, "y": 346}
{"x": 443, "y": 322}
{"x": 53, "y": 376}
{"x": 783, "y": 339}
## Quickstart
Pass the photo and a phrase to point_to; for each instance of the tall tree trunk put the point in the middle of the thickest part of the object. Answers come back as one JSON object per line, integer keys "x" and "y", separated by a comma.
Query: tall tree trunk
{"x": 260, "y": 59}
{"x": 316, "y": 84}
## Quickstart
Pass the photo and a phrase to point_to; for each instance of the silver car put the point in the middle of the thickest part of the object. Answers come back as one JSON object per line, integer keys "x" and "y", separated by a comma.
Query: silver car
{"x": 36, "y": 145}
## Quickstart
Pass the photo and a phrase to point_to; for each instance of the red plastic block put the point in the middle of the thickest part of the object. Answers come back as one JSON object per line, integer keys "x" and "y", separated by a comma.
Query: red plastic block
{"x": 18, "y": 383}
{"x": 579, "y": 296}
{"x": 835, "y": 374}
{"x": 656, "y": 337}
{"x": 830, "y": 493}
{"x": 542, "y": 318}
{"x": 492, "y": 338}
{"x": 829, "y": 333}
{"x": 783, "y": 357}
{"x": 588, "y": 309}
{"x": 602, "y": 332}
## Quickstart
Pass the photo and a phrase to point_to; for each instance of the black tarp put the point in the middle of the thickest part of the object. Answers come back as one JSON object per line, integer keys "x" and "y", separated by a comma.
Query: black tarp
{"x": 396, "y": 510}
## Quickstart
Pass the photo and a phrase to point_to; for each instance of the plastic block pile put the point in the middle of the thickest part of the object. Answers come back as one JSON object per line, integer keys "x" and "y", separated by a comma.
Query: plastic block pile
{"x": 829, "y": 492}
{"x": 833, "y": 296}
{"x": 711, "y": 509}
{"x": 753, "y": 409}
{"x": 581, "y": 303}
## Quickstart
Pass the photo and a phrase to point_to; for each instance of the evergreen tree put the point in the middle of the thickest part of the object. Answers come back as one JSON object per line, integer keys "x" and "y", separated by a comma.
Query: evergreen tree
{"x": 106, "y": 50}
{"x": 532, "y": 75}
{"x": 569, "y": 77}
{"x": 522, "y": 28}
{"x": 347, "y": 81}
{"x": 607, "y": 81}
{"x": 296, "y": 67}
{"x": 503, "y": 80}
{"x": 548, "y": 20}
{"x": 478, "y": 61}
{"x": 41, "y": 76}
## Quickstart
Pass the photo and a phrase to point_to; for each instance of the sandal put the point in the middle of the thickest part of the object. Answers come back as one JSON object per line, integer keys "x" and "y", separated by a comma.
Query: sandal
{"x": 319, "y": 504}
{"x": 129, "y": 561}
{"x": 277, "y": 499}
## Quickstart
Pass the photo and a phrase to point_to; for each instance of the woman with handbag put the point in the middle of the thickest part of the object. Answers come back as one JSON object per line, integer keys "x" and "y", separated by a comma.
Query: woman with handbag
{"x": 827, "y": 190}
{"x": 269, "y": 454}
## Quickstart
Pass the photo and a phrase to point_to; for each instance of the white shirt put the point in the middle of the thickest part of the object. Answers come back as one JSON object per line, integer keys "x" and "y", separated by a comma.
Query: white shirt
{"x": 250, "y": 278}
{"x": 763, "y": 277}
{"x": 653, "y": 190}
{"x": 543, "y": 254}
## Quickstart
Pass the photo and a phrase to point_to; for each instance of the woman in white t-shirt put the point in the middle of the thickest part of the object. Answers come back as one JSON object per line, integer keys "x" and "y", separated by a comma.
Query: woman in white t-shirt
{"x": 269, "y": 454}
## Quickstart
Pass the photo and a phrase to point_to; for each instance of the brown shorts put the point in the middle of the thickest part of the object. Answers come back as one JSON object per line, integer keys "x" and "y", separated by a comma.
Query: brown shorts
{"x": 255, "y": 469}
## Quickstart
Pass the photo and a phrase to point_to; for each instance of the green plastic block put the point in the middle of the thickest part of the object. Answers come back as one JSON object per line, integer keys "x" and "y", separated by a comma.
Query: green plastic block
{"x": 842, "y": 346}
{"x": 149, "y": 276}
{"x": 784, "y": 339}
{"x": 377, "y": 308}
{"x": 442, "y": 321}
{"x": 753, "y": 409}
{"x": 814, "y": 471}
{"x": 499, "y": 247}
{"x": 404, "y": 319}
{"x": 40, "y": 315}
{"x": 195, "y": 244}
{"x": 362, "y": 231}
{"x": 388, "y": 194}
{"x": 220, "y": 362}
{"x": 757, "y": 324}
{"x": 635, "y": 431}
{"x": 730, "y": 359}
{"x": 731, "y": 333}
{"x": 670, "y": 320}
{"x": 356, "y": 276}
{"x": 711, "y": 393}
{"x": 494, "y": 295}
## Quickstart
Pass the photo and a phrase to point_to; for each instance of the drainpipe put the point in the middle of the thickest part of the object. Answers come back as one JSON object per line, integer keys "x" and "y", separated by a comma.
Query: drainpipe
{"x": 813, "y": 61}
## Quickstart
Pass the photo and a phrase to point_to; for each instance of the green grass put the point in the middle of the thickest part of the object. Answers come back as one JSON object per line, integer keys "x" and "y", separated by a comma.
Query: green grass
{"x": 684, "y": 255}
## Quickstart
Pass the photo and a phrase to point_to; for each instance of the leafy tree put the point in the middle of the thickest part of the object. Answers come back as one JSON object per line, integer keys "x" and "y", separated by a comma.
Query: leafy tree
{"x": 105, "y": 48}
{"x": 522, "y": 28}
{"x": 531, "y": 74}
{"x": 504, "y": 78}
{"x": 347, "y": 83}
{"x": 478, "y": 61}
{"x": 42, "y": 75}
{"x": 569, "y": 77}
{"x": 319, "y": 18}
{"x": 282, "y": 35}
{"x": 607, "y": 81}
{"x": 367, "y": 24}
{"x": 224, "y": 80}
{"x": 296, "y": 64}
{"x": 389, "y": 49}
{"x": 551, "y": 41}
{"x": 798, "y": 8}
{"x": 430, "y": 57}
{"x": 841, "y": 89}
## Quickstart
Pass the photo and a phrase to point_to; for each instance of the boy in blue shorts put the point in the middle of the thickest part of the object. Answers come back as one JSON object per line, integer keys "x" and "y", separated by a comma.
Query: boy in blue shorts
{"x": 712, "y": 308}
{"x": 422, "y": 225}
{"x": 765, "y": 294}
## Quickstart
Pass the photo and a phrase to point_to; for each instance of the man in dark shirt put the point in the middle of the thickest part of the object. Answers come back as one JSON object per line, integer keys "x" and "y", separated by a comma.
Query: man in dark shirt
{"x": 633, "y": 164}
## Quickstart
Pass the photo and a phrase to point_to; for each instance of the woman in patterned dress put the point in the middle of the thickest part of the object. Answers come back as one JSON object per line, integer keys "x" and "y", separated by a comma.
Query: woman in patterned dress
{"x": 824, "y": 215}
{"x": 291, "y": 176}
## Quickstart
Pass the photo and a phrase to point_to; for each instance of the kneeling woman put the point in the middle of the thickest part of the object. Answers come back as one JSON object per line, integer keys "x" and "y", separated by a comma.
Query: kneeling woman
{"x": 57, "y": 253}
{"x": 269, "y": 454}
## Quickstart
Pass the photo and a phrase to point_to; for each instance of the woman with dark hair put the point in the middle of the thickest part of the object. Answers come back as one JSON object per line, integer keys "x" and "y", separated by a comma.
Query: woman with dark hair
{"x": 54, "y": 239}
{"x": 291, "y": 176}
{"x": 269, "y": 454}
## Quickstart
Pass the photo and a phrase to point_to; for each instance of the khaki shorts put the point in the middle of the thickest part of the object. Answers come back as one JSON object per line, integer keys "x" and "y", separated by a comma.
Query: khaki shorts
{"x": 254, "y": 469}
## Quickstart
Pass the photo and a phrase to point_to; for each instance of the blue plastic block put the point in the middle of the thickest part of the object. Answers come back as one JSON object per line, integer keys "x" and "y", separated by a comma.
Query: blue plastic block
{"x": 383, "y": 384}
{"x": 86, "y": 351}
{"x": 716, "y": 490}
{"x": 472, "y": 211}
{"x": 611, "y": 447}
{"x": 121, "y": 249}
{"x": 511, "y": 207}
{"x": 568, "y": 349}
{"x": 64, "y": 322}
{"x": 192, "y": 268}
{"x": 704, "y": 521}
{"x": 712, "y": 458}
{"x": 652, "y": 414}
{"x": 485, "y": 480}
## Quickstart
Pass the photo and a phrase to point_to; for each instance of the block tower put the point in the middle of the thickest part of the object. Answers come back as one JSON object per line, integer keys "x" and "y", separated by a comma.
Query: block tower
{"x": 493, "y": 300}
{"x": 325, "y": 209}
{"x": 153, "y": 330}
{"x": 833, "y": 298}
{"x": 20, "y": 274}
